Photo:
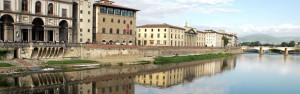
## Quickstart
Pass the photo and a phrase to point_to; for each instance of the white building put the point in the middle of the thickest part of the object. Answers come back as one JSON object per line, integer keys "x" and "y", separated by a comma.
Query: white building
{"x": 36, "y": 20}
{"x": 213, "y": 38}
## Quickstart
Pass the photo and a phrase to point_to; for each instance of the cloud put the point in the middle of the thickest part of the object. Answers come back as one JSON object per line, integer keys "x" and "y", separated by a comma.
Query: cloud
{"x": 155, "y": 11}
{"x": 276, "y": 30}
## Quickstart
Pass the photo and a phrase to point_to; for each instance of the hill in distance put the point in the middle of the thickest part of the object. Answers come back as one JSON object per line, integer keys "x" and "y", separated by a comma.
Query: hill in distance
{"x": 268, "y": 39}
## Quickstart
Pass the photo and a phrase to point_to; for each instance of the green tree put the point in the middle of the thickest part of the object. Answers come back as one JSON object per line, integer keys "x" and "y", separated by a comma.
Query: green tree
{"x": 226, "y": 41}
{"x": 284, "y": 44}
{"x": 292, "y": 44}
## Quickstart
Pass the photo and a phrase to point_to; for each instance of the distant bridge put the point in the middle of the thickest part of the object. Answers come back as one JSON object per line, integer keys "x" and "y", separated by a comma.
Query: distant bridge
{"x": 262, "y": 49}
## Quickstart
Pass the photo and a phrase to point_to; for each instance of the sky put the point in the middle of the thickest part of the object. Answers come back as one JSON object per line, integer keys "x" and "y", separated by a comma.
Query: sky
{"x": 279, "y": 18}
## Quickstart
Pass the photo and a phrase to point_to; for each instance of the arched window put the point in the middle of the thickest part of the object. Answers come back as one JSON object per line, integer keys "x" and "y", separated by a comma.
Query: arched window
{"x": 118, "y": 31}
{"x": 103, "y": 30}
{"x": 110, "y": 30}
{"x": 24, "y": 5}
{"x": 130, "y": 32}
{"x": 124, "y": 31}
{"x": 50, "y": 8}
{"x": 38, "y": 7}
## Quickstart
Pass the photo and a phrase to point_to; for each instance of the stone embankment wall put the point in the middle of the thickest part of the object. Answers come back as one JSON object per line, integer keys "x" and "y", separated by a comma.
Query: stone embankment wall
{"x": 92, "y": 51}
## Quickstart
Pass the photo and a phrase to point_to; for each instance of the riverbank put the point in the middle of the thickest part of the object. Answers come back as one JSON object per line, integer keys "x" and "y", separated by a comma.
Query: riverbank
{"x": 180, "y": 59}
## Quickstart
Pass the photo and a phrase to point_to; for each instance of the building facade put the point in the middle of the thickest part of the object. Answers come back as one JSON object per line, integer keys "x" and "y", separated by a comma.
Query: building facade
{"x": 36, "y": 20}
{"x": 114, "y": 24}
{"x": 83, "y": 20}
{"x": 213, "y": 38}
{"x": 160, "y": 35}
{"x": 200, "y": 39}
{"x": 191, "y": 36}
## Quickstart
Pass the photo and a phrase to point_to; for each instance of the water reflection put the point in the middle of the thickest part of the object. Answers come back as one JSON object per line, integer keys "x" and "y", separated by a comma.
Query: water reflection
{"x": 122, "y": 80}
{"x": 167, "y": 78}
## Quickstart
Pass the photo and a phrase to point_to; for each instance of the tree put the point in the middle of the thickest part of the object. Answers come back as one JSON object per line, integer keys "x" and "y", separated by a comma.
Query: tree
{"x": 292, "y": 44}
{"x": 284, "y": 44}
{"x": 226, "y": 41}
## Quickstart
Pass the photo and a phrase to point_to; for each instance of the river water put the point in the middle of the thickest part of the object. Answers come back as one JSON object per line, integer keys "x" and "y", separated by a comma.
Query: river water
{"x": 240, "y": 74}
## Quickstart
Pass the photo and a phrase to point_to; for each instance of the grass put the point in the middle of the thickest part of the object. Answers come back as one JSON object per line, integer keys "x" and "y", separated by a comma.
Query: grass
{"x": 6, "y": 65}
{"x": 70, "y": 62}
{"x": 180, "y": 59}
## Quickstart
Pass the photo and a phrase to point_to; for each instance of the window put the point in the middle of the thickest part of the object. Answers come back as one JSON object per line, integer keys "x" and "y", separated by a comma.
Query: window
{"x": 151, "y": 30}
{"x": 124, "y": 12}
{"x": 24, "y": 5}
{"x": 103, "y": 90}
{"x": 89, "y": 20}
{"x": 110, "y": 30}
{"x": 165, "y": 30}
{"x": 89, "y": 30}
{"x": 118, "y": 31}
{"x": 38, "y": 7}
{"x": 80, "y": 40}
{"x": 124, "y": 22}
{"x": 103, "y": 19}
{"x": 158, "y": 35}
{"x": 110, "y": 10}
{"x": 130, "y": 22}
{"x": 112, "y": 20}
{"x": 124, "y": 31}
{"x": 103, "y": 10}
{"x": 139, "y": 36}
{"x": 145, "y": 30}
{"x": 151, "y": 35}
{"x": 158, "y": 42}
{"x": 81, "y": 11}
{"x": 89, "y": 12}
{"x": 117, "y": 11}
{"x": 165, "y": 35}
{"x": 80, "y": 30}
{"x": 119, "y": 21}
{"x": 130, "y": 14}
{"x": 130, "y": 32}
{"x": 50, "y": 9}
{"x": 145, "y": 35}
{"x": 81, "y": 20}
{"x": 103, "y": 30}
{"x": 64, "y": 12}
{"x": 110, "y": 89}
{"x": 158, "y": 30}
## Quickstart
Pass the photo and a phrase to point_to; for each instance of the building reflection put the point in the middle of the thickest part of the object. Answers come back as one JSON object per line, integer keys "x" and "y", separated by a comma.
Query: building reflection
{"x": 187, "y": 74}
{"x": 122, "y": 85}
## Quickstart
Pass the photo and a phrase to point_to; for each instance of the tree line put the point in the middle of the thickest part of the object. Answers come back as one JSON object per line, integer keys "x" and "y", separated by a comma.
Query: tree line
{"x": 257, "y": 43}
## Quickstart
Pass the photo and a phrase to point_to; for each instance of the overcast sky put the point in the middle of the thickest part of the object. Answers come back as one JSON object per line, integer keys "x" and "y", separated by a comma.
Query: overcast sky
{"x": 245, "y": 17}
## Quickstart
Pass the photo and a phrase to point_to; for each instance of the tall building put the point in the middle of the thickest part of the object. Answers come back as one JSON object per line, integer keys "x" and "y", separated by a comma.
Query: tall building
{"x": 114, "y": 24}
{"x": 160, "y": 35}
{"x": 36, "y": 20}
{"x": 83, "y": 20}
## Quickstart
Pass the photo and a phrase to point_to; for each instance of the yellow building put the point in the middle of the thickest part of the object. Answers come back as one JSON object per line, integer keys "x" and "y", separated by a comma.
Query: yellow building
{"x": 160, "y": 35}
{"x": 200, "y": 39}
{"x": 114, "y": 24}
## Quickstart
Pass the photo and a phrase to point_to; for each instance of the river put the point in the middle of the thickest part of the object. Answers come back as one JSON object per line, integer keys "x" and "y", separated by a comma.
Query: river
{"x": 239, "y": 74}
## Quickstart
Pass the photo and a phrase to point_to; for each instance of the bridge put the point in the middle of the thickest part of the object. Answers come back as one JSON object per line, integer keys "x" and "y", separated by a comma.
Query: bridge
{"x": 262, "y": 49}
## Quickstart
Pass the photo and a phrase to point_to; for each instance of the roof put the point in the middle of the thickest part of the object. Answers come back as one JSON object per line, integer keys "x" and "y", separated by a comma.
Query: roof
{"x": 160, "y": 25}
{"x": 115, "y": 6}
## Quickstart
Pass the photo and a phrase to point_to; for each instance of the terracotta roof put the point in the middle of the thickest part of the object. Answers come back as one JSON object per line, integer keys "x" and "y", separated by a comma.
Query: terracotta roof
{"x": 160, "y": 25}
{"x": 115, "y": 6}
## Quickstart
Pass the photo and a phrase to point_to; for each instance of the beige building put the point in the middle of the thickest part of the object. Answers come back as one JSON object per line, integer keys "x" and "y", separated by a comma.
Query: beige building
{"x": 201, "y": 39}
{"x": 83, "y": 20}
{"x": 36, "y": 20}
{"x": 160, "y": 35}
{"x": 232, "y": 39}
{"x": 191, "y": 36}
{"x": 114, "y": 24}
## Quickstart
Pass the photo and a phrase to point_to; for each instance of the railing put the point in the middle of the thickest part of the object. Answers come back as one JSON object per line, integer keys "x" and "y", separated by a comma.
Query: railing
{"x": 37, "y": 44}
